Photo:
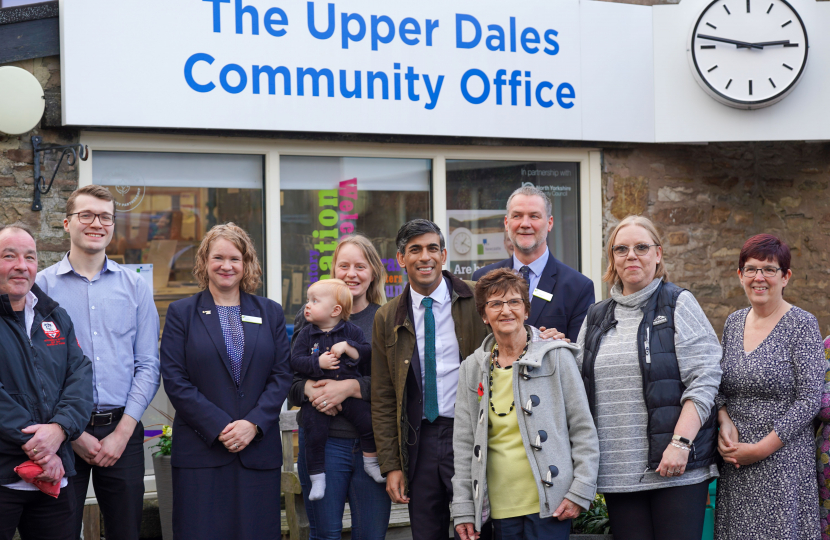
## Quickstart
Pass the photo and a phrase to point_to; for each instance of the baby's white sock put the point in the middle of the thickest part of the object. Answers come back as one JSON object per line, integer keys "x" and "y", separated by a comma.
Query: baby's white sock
{"x": 318, "y": 486}
{"x": 372, "y": 468}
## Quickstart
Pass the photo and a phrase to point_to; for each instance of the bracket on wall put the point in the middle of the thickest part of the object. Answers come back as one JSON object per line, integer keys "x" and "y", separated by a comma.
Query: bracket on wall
{"x": 71, "y": 154}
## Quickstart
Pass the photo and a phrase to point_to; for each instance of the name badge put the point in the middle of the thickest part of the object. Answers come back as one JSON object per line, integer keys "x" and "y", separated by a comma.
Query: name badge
{"x": 251, "y": 319}
{"x": 544, "y": 295}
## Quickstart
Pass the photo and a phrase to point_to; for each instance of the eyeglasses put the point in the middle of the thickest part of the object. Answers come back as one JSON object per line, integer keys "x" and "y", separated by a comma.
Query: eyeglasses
{"x": 497, "y": 305}
{"x": 639, "y": 249}
{"x": 88, "y": 217}
{"x": 751, "y": 271}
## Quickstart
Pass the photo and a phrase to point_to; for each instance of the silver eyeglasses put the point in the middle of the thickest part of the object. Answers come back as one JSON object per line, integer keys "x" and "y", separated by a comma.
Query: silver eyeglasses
{"x": 513, "y": 303}
{"x": 622, "y": 250}
{"x": 88, "y": 217}
{"x": 751, "y": 271}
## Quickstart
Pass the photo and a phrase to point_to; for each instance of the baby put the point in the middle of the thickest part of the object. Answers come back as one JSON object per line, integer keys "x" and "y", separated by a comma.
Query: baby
{"x": 331, "y": 348}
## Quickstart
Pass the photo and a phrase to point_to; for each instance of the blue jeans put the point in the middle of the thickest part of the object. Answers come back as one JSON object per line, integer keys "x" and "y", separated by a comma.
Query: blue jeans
{"x": 531, "y": 527}
{"x": 370, "y": 505}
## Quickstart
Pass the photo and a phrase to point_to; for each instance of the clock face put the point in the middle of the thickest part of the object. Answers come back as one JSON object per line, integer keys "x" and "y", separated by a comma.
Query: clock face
{"x": 748, "y": 53}
{"x": 462, "y": 242}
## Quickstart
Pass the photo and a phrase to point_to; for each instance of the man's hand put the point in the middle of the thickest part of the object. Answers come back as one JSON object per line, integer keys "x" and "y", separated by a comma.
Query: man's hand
{"x": 467, "y": 531}
{"x": 552, "y": 333}
{"x": 112, "y": 446}
{"x": 567, "y": 510}
{"x": 394, "y": 487}
{"x": 329, "y": 361}
{"x": 52, "y": 470}
{"x": 86, "y": 447}
{"x": 45, "y": 442}
{"x": 237, "y": 435}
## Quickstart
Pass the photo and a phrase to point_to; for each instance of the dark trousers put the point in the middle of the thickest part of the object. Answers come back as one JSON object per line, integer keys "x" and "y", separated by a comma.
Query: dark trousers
{"x": 37, "y": 515}
{"x": 674, "y": 513}
{"x": 316, "y": 426}
{"x": 531, "y": 527}
{"x": 119, "y": 488}
{"x": 430, "y": 484}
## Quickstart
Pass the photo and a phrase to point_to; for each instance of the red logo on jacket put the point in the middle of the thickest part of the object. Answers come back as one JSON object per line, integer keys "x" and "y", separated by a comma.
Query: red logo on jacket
{"x": 54, "y": 334}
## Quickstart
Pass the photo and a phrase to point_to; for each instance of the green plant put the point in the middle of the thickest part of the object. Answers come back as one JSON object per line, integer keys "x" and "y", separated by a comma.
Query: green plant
{"x": 165, "y": 438}
{"x": 594, "y": 520}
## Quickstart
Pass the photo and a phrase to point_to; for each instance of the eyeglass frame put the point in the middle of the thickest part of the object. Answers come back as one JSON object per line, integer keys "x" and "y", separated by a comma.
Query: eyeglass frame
{"x": 98, "y": 216}
{"x": 762, "y": 270}
{"x": 490, "y": 304}
{"x": 629, "y": 249}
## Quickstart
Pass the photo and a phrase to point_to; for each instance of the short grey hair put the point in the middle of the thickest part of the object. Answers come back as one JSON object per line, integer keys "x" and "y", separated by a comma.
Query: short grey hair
{"x": 19, "y": 225}
{"x": 529, "y": 190}
{"x": 413, "y": 228}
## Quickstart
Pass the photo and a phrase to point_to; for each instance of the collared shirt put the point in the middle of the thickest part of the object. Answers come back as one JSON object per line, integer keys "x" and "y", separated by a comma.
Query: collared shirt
{"x": 536, "y": 269}
{"x": 117, "y": 326}
{"x": 447, "y": 354}
{"x": 29, "y": 311}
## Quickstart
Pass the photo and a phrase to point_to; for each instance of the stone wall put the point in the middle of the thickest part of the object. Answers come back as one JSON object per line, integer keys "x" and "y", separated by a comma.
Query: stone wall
{"x": 17, "y": 171}
{"x": 708, "y": 199}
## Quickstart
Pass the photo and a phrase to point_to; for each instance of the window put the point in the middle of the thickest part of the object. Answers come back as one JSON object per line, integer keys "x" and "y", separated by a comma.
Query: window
{"x": 165, "y": 203}
{"x": 324, "y": 198}
{"x": 477, "y": 193}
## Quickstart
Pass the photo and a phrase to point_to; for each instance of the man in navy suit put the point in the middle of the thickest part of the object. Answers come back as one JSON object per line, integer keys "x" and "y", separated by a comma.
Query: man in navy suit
{"x": 560, "y": 296}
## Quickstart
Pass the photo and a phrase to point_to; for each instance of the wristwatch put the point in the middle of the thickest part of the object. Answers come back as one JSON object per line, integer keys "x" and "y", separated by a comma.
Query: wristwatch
{"x": 681, "y": 439}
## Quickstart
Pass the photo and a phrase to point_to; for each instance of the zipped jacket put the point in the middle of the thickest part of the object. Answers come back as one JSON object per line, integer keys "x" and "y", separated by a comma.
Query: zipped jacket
{"x": 44, "y": 378}
{"x": 662, "y": 384}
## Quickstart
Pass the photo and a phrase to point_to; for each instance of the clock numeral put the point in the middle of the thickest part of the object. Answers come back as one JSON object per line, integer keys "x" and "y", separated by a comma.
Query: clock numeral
{"x": 707, "y": 46}
{"x": 772, "y": 83}
{"x": 747, "y": 6}
{"x": 727, "y": 84}
{"x": 712, "y": 25}
{"x": 788, "y": 67}
{"x": 727, "y": 10}
{"x": 750, "y": 87}
{"x": 791, "y": 44}
{"x": 786, "y": 23}
{"x": 711, "y": 69}
{"x": 770, "y": 9}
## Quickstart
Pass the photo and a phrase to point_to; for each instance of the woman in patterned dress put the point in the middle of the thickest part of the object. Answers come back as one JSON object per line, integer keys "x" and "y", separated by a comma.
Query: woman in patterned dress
{"x": 823, "y": 451}
{"x": 773, "y": 372}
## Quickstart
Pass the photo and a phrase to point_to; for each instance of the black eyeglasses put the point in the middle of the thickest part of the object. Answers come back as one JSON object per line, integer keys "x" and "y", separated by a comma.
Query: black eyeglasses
{"x": 639, "y": 249}
{"x": 497, "y": 305}
{"x": 751, "y": 271}
{"x": 88, "y": 217}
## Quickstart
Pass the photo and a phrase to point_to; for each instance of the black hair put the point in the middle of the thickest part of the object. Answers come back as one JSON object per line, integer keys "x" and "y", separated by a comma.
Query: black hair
{"x": 413, "y": 228}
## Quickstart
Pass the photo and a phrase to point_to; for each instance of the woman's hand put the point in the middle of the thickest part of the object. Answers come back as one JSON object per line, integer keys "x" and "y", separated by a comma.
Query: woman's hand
{"x": 237, "y": 435}
{"x": 728, "y": 434}
{"x": 567, "y": 510}
{"x": 673, "y": 462}
{"x": 467, "y": 531}
{"x": 330, "y": 394}
{"x": 552, "y": 333}
{"x": 743, "y": 454}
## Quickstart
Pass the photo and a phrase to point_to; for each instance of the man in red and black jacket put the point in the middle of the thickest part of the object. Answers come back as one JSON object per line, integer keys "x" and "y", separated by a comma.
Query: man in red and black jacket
{"x": 45, "y": 395}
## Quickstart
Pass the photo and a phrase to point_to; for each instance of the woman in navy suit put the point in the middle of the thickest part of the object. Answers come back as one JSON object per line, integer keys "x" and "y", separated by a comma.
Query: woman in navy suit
{"x": 224, "y": 360}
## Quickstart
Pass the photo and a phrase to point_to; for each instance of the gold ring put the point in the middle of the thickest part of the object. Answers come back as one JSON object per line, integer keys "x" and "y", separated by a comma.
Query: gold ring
{"x": 34, "y": 451}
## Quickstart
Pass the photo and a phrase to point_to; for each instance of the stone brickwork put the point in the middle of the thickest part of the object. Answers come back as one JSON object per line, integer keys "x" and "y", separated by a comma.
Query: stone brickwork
{"x": 708, "y": 199}
{"x": 17, "y": 172}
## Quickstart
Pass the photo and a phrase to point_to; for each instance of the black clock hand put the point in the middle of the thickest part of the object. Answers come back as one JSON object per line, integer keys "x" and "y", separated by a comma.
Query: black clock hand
{"x": 739, "y": 44}
{"x": 770, "y": 43}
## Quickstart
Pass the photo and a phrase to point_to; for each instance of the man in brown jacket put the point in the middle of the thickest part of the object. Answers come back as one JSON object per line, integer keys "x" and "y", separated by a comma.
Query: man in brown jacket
{"x": 419, "y": 340}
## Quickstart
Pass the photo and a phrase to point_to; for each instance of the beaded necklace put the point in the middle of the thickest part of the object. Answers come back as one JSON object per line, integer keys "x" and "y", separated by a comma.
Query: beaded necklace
{"x": 494, "y": 363}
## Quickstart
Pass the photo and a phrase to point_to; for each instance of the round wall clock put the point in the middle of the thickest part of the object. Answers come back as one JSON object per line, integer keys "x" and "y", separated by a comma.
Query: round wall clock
{"x": 748, "y": 54}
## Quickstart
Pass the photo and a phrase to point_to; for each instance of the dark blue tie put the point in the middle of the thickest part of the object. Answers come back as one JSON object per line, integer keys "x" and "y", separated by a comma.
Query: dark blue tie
{"x": 525, "y": 272}
{"x": 430, "y": 368}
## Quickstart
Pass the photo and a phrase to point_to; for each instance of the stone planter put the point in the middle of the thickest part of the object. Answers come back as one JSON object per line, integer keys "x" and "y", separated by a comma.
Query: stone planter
{"x": 164, "y": 491}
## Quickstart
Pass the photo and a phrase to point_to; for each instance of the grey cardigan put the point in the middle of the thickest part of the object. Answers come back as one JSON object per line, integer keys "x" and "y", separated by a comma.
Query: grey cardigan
{"x": 569, "y": 454}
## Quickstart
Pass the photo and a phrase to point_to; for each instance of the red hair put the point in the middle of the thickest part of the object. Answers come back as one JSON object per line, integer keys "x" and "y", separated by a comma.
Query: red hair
{"x": 766, "y": 247}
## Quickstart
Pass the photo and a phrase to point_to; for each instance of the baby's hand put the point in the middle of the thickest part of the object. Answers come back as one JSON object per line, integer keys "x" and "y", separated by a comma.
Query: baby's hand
{"x": 329, "y": 361}
{"x": 339, "y": 349}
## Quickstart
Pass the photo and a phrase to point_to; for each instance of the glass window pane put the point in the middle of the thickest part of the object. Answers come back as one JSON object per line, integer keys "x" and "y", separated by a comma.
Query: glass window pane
{"x": 165, "y": 203}
{"x": 477, "y": 193}
{"x": 324, "y": 198}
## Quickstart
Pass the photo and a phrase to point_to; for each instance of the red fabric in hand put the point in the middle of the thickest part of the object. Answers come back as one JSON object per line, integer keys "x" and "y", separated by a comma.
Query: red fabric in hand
{"x": 29, "y": 470}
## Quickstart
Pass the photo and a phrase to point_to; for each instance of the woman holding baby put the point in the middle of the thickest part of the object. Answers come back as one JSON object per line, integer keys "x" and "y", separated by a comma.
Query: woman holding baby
{"x": 358, "y": 265}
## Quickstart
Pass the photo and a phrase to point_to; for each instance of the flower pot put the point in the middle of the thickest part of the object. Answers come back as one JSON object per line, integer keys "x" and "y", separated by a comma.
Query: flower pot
{"x": 164, "y": 491}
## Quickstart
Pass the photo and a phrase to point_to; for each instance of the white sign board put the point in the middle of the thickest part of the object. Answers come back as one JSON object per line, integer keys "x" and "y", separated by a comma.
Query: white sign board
{"x": 525, "y": 69}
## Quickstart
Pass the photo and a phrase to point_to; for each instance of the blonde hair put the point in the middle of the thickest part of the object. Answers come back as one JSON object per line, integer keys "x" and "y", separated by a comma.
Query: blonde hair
{"x": 340, "y": 291}
{"x": 251, "y": 270}
{"x": 611, "y": 275}
{"x": 376, "y": 293}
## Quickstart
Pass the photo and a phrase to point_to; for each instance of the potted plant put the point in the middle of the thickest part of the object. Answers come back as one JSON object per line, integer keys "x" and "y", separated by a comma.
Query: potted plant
{"x": 164, "y": 475}
{"x": 593, "y": 524}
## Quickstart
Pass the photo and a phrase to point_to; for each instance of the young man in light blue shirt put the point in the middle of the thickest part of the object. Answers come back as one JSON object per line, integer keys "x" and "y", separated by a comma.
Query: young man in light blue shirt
{"x": 117, "y": 326}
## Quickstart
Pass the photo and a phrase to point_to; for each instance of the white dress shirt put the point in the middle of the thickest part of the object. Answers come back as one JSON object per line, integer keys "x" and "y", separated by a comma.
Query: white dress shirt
{"x": 447, "y": 354}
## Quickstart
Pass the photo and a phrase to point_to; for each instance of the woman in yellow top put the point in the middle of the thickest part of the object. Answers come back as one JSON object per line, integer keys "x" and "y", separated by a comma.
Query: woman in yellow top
{"x": 526, "y": 449}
